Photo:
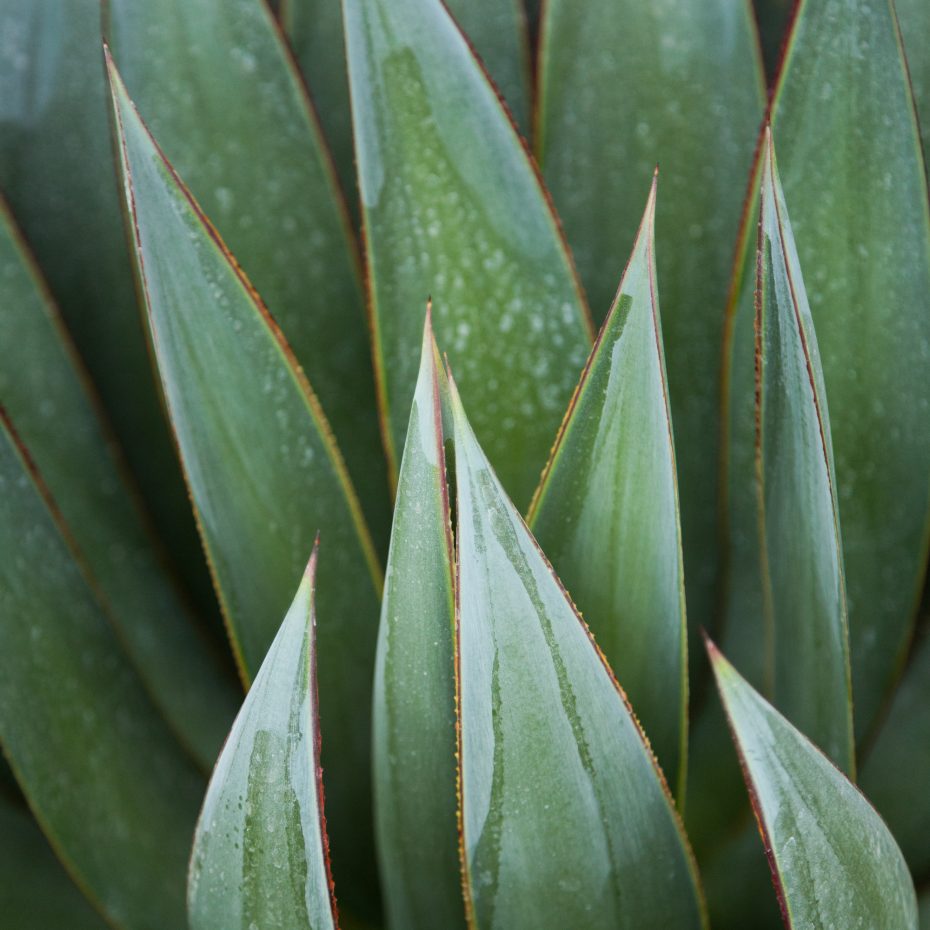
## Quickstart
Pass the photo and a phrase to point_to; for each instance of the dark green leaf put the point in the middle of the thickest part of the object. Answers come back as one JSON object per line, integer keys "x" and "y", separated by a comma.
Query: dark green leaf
{"x": 606, "y": 512}
{"x": 566, "y": 818}
{"x": 45, "y": 392}
{"x": 260, "y": 850}
{"x": 802, "y": 561}
{"x": 924, "y": 906}
{"x": 232, "y": 117}
{"x": 625, "y": 84}
{"x": 113, "y": 791}
{"x": 834, "y": 863}
{"x": 466, "y": 221}
{"x": 896, "y": 772}
{"x": 55, "y": 138}
{"x": 35, "y": 891}
{"x": 772, "y": 17}
{"x": 852, "y": 172}
{"x": 414, "y": 716}
{"x": 264, "y": 473}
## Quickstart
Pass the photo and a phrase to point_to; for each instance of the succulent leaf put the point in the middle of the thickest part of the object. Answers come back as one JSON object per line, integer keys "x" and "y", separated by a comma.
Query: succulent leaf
{"x": 606, "y": 511}
{"x": 833, "y": 861}
{"x": 914, "y": 19}
{"x": 414, "y": 710}
{"x": 466, "y": 222}
{"x": 260, "y": 855}
{"x": 566, "y": 818}
{"x": 263, "y": 470}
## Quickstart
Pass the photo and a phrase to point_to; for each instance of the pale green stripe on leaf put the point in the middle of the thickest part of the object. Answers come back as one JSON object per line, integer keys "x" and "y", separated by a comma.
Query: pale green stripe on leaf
{"x": 836, "y": 864}
{"x": 260, "y": 856}
{"x": 567, "y": 821}
{"x": 414, "y": 715}
{"x": 852, "y": 171}
{"x": 606, "y": 512}
{"x": 45, "y": 392}
{"x": 264, "y": 473}
{"x": 452, "y": 208}
{"x": 214, "y": 83}
{"x": 896, "y": 771}
{"x": 625, "y": 84}
{"x": 114, "y": 793}
{"x": 802, "y": 561}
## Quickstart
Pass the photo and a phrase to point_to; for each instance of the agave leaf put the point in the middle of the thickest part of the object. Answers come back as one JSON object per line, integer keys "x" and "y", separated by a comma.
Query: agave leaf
{"x": 914, "y": 17}
{"x": 566, "y": 818}
{"x": 802, "y": 558}
{"x": 834, "y": 863}
{"x": 114, "y": 793}
{"x": 54, "y": 137}
{"x": 896, "y": 770}
{"x": 495, "y": 28}
{"x": 35, "y": 892}
{"x": 414, "y": 709}
{"x": 260, "y": 850}
{"x": 870, "y": 301}
{"x": 233, "y": 118}
{"x": 46, "y": 394}
{"x": 264, "y": 472}
{"x": 624, "y": 84}
{"x": 466, "y": 221}
{"x": 772, "y": 17}
{"x": 606, "y": 511}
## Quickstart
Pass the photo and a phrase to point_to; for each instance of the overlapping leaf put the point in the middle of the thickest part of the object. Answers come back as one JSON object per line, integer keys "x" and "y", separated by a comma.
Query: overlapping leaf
{"x": 852, "y": 172}
{"x": 55, "y": 138}
{"x": 622, "y": 86}
{"x": 263, "y": 471}
{"x": 606, "y": 512}
{"x": 44, "y": 390}
{"x": 260, "y": 850}
{"x": 452, "y": 207}
{"x": 834, "y": 863}
{"x": 114, "y": 792}
{"x": 914, "y": 18}
{"x": 414, "y": 716}
{"x": 566, "y": 818}
{"x": 232, "y": 116}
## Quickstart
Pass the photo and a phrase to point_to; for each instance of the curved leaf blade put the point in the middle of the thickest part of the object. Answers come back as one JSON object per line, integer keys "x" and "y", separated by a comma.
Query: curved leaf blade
{"x": 233, "y": 118}
{"x": 802, "y": 558}
{"x": 566, "y": 818}
{"x": 896, "y": 771}
{"x": 113, "y": 791}
{"x": 468, "y": 224}
{"x": 914, "y": 17}
{"x": 260, "y": 855}
{"x": 833, "y": 861}
{"x": 414, "y": 711}
{"x": 45, "y": 392}
{"x": 606, "y": 510}
{"x": 623, "y": 85}
{"x": 263, "y": 470}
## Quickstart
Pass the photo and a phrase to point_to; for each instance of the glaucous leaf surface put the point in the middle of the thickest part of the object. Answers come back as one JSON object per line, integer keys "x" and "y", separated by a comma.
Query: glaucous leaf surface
{"x": 496, "y": 30}
{"x": 851, "y": 168}
{"x": 35, "y": 891}
{"x": 414, "y": 703}
{"x": 114, "y": 792}
{"x": 452, "y": 207}
{"x": 263, "y": 470}
{"x": 55, "y": 138}
{"x": 833, "y": 860}
{"x": 606, "y": 511}
{"x": 802, "y": 560}
{"x": 896, "y": 771}
{"x": 566, "y": 818}
{"x": 215, "y": 85}
{"x": 260, "y": 850}
{"x": 45, "y": 392}
{"x": 624, "y": 85}
{"x": 914, "y": 19}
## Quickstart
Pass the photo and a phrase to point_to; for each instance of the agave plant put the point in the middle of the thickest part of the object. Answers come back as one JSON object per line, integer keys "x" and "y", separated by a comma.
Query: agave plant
{"x": 367, "y": 532}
